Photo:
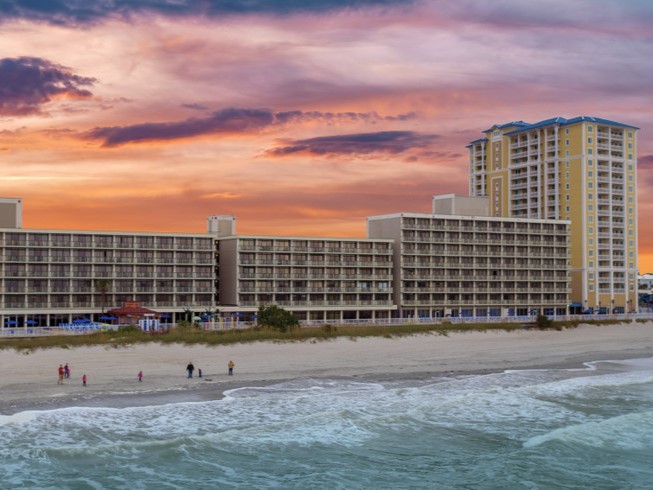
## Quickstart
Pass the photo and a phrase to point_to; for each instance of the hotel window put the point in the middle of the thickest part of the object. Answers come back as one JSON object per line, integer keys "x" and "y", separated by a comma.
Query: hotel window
{"x": 591, "y": 275}
{"x": 567, "y": 142}
{"x": 589, "y": 140}
{"x": 590, "y": 162}
{"x": 567, "y": 153}
{"x": 630, "y": 134}
{"x": 590, "y": 219}
{"x": 591, "y": 230}
{"x": 567, "y": 186}
{"x": 590, "y": 185}
{"x": 630, "y": 146}
{"x": 591, "y": 263}
{"x": 630, "y": 156}
{"x": 591, "y": 285}
{"x": 590, "y": 129}
{"x": 567, "y": 209}
{"x": 567, "y": 175}
{"x": 591, "y": 206}
{"x": 591, "y": 241}
{"x": 590, "y": 174}
{"x": 590, "y": 196}
{"x": 567, "y": 131}
{"x": 590, "y": 151}
{"x": 567, "y": 197}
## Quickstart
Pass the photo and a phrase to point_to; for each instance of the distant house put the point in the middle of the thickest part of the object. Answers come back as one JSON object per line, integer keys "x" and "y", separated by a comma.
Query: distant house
{"x": 645, "y": 281}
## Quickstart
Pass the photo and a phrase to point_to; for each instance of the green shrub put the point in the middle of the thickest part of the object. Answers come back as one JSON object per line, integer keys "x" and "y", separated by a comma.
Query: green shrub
{"x": 543, "y": 321}
{"x": 277, "y": 318}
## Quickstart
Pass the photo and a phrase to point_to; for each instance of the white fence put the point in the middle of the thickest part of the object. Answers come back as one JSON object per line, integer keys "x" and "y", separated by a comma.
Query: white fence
{"x": 86, "y": 328}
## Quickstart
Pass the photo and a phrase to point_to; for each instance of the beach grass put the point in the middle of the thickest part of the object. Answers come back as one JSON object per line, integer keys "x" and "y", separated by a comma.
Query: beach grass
{"x": 190, "y": 335}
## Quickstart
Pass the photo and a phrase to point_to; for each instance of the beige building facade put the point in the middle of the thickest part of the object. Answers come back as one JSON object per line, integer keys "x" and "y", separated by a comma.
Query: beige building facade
{"x": 583, "y": 170}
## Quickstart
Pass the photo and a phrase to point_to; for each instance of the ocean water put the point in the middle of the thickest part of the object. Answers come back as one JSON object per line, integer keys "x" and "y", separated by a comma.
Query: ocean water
{"x": 579, "y": 428}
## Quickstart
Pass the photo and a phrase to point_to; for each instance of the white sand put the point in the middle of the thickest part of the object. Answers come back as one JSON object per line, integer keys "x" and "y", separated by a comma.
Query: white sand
{"x": 30, "y": 379}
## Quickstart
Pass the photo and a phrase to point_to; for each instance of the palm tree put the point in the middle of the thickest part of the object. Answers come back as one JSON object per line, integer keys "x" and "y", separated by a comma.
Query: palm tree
{"x": 102, "y": 287}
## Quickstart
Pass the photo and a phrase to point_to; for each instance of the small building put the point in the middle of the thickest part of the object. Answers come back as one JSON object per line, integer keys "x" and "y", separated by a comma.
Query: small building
{"x": 131, "y": 313}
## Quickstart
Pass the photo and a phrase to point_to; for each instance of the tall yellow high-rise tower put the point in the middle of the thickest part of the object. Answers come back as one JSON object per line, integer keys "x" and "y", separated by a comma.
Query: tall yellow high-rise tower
{"x": 582, "y": 169}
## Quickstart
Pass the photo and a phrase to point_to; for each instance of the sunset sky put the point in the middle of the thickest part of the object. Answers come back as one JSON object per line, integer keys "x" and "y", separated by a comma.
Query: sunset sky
{"x": 298, "y": 117}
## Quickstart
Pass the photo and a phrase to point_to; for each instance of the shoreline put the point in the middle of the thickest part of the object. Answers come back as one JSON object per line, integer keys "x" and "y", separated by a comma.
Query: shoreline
{"x": 30, "y": 380}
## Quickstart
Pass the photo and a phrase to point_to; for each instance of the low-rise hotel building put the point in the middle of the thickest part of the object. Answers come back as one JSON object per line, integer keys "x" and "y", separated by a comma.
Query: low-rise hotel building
{"x": 315, "y": 278}
{"x": 455, "y": 262}
{"x": 49, "y": 277}
{"x": 471, "y": 264}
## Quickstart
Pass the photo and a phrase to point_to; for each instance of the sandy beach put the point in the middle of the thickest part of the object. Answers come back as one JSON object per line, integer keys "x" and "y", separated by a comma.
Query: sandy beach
{"x": 30, "y": 380}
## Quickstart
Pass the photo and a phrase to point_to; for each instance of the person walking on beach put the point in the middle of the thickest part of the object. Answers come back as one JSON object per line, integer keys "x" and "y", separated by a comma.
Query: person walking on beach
{"x": 61, "y": 373}
{"x": 66, "y": 371}
{"x": 231, "y": 368}
{"x": 190, "y": 368}
{"x": 140, "y": 376}
{"x": 84, "y": 380}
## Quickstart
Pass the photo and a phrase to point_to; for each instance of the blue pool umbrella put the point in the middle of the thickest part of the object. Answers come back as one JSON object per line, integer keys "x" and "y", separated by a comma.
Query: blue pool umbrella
{"x": 108, "y": 318}
{"x": 30, "y": 322}
{"x": 81, "y": 320}
{"x": 11, "y": 322}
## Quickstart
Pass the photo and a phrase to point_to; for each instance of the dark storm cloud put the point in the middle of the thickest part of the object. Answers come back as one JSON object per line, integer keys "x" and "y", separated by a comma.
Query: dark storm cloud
{"x": 28, "y": 83}
{"x": 80, "y": 12}
{"x": 230, "y": 120}
{"x": 392, "y": 142}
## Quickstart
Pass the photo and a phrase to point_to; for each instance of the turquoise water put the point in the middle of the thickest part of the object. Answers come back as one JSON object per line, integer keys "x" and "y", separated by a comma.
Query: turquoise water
{"x": 584, "y": 428}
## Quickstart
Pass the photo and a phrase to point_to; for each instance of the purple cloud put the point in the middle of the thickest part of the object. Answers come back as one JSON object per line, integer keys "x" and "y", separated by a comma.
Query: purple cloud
{"x": 29, "y": 83}
{"x": 230, "y": 120}
{"x": 392, "y": 142}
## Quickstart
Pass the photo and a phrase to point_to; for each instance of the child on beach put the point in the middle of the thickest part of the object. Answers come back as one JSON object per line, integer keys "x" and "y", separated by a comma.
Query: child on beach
{"x": 66, "y": 371}
{"x": 231, "y": 368}
{"x": 61, "y": 373}
{"x": 140, "y": 376}
{"x": 84, "y": 380}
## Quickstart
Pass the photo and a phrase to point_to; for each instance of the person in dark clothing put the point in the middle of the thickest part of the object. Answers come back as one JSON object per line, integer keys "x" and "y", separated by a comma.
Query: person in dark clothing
{"x": 190, "y": 368}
